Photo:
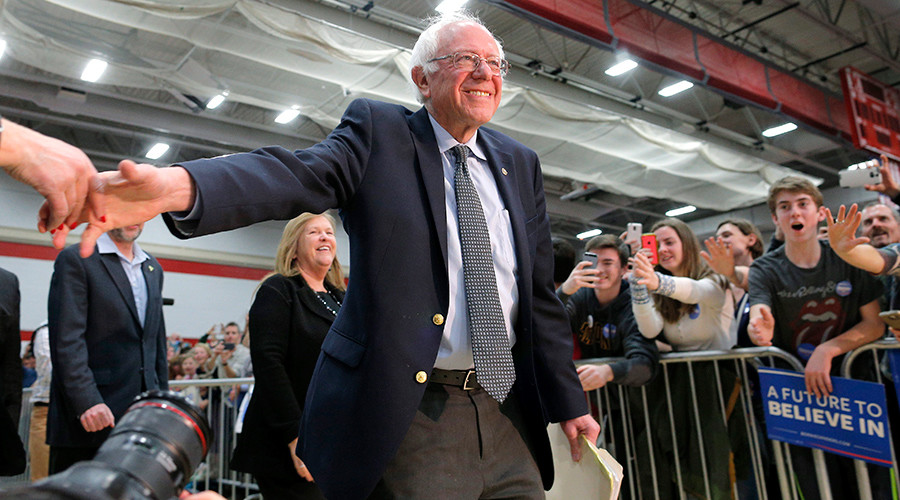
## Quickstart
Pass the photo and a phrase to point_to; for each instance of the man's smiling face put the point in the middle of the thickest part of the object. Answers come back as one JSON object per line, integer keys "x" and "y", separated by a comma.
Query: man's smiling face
{"x": 879, "y": 224}
{"x": 459, "y": 100}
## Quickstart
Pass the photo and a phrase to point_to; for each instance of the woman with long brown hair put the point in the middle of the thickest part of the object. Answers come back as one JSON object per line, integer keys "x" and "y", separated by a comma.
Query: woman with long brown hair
{"x": 681, "y": 297}
{"x": 291, "y": 314}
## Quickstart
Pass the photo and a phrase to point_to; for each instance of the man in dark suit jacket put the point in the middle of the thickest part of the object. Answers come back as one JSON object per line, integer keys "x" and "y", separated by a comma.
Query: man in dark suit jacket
{"x": 10, "y": 345}
{"x": 375, "y": 416}
{"x": 12, "y": 457}
{"x": 107, "y": 341}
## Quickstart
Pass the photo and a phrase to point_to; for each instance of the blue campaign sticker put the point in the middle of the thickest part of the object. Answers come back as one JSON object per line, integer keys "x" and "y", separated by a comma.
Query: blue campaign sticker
{"x": 851, "y": 421}
{"x": 843, "y": 288}
{"x": 805, "y": 350}
{"x": 695, "y": 312}
{"x": 609, "y": 330}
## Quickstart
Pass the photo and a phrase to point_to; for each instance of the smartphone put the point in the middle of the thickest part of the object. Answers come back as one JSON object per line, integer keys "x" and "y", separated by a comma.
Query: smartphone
{"x": 228, "y": 346}
{"x": 892, "y": 318}
{"x": 590, "y": 257}
{"x": 860, "y": 177}
{"x": 634, "y": 232}
{"x": 648, "y": 241}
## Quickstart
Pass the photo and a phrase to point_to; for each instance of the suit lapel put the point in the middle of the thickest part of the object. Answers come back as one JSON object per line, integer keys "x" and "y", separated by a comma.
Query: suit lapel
{"x": 432, "y": 171}
{"x": 501, "y": 165}
{"x": 154, "y": 294}
{"x": 114, "y": 268}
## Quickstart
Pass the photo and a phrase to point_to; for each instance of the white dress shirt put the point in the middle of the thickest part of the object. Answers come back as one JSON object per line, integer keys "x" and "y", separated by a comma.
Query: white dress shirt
{"x": 132, "y": 271}
{"x": 456, "y": 347}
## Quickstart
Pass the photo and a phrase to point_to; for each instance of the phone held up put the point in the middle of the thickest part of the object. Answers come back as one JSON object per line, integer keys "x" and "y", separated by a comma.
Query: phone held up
{"x": 590, "y": 257}
{"x": 648, "y": 241}
{"x": 859, "y": 177}
{"x": 633, "y": 232}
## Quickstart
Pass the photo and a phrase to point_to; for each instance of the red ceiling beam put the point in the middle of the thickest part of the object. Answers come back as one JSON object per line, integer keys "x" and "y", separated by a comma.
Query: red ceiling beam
{"x": 681, "y": 50}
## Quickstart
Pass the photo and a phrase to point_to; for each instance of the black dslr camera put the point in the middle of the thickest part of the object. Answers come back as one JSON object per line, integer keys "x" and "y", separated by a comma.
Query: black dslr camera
{"x": 150, "y": 454}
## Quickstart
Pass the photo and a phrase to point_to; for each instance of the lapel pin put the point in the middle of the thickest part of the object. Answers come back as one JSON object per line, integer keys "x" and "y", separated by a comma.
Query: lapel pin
{"x": 150, "y": 268}
{"x": 504, "y": 171}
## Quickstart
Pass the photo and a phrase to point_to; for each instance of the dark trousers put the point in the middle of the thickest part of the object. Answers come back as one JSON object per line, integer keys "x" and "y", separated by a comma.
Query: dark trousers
{"x": 462, "y": 444}
{"x": 63, "y": 457}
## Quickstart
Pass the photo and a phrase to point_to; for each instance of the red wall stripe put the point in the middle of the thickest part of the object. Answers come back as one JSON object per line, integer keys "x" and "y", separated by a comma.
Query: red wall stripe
{"x": 30, "y": 251}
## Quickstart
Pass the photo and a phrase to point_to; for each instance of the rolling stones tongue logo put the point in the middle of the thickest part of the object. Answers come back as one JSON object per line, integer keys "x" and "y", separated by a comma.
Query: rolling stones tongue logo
{"x": 818, "y": 320}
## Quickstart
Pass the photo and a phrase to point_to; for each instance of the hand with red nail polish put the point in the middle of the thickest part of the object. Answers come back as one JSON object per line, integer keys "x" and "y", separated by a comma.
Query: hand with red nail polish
{"x": 58, "y": 171}
{"x": 134, "y": 194}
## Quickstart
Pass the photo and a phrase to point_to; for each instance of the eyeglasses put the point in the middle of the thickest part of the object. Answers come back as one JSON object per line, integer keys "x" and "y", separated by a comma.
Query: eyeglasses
{"x": 468, "y": 61}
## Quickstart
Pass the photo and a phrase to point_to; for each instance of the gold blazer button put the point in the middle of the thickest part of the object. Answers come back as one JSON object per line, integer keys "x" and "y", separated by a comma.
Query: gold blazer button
{"x": 421, "y": 377}
{"x": 438, "y": 319}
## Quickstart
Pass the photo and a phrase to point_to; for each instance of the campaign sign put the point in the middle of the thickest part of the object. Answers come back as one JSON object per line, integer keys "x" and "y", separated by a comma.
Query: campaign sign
{"x": 852, "y": 421}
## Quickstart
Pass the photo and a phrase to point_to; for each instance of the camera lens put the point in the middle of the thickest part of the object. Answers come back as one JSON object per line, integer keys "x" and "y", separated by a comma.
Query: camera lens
{"x": 161, "y": 440}
{"x": 150, "y": 454}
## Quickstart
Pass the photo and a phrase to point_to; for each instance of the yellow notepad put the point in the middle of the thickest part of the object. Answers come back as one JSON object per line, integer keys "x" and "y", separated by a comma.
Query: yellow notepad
{"x": 597, "y": 476}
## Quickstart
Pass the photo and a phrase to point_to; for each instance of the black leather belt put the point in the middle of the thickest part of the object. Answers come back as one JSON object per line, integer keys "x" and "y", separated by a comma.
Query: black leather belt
{"x": 464, "y": 379}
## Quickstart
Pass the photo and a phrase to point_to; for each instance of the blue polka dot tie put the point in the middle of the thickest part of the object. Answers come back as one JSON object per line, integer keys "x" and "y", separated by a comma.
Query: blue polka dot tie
{"x": 490, "y": 342}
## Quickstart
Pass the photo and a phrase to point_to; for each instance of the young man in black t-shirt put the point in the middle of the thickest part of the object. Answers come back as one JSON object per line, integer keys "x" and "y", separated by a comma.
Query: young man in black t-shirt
{"x": 807, "y": 301}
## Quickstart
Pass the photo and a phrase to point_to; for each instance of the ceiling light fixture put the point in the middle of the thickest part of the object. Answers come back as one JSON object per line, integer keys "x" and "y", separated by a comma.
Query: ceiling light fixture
{"x": 217, "y": 100}
{"x": 157, "y": 150}
{"x": 675, "y": 212}
{"x": 288, "y": 115}
{"x": 450, "y": 6}
{"x": 676, "y": 88}
{"x": 621, "y": 68}
{"x": 94, "y": 70}
{"x": 588, "y": 234}
{"x": 781, "y": 129}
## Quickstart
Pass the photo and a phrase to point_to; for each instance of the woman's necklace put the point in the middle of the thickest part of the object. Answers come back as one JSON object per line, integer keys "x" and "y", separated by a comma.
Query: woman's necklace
{"x": 338, "y": 302}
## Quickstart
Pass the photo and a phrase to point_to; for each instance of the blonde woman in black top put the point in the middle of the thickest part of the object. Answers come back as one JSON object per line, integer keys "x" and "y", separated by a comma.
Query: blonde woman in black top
{"x": 291, "y": 314}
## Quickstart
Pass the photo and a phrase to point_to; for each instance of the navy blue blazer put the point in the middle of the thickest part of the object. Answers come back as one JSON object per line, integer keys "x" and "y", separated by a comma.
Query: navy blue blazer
{"x": 382, "y": 168}
{"x": 99, "y": 351}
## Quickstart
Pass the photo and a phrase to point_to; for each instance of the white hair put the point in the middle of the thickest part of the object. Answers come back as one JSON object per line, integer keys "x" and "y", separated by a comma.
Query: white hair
{"x": 426, "y": 46}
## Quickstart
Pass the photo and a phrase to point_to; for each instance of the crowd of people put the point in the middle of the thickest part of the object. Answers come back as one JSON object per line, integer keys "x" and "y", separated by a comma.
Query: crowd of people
{"x": 814, "y": 297}
{"x": 452, "y": 348}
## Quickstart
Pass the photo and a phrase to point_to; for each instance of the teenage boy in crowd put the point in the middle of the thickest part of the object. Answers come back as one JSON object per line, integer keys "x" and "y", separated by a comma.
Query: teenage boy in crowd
{"x": 807, "y": 301}
{"x": 598, "y": 302}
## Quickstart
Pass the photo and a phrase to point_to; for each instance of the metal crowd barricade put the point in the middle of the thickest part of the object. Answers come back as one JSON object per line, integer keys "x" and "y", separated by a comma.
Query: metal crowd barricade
{"x": 222, "y": 412}
{"x": 622, "y": 411}
{"x": 625, "y": 414}
{"x": 862, "y": 473}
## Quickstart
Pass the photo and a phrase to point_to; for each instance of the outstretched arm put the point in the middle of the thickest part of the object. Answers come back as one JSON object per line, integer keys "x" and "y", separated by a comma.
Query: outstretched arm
{"x": 761, "y": 327}
{"x": 133, "y": 194}
{"x": 720, "y": 258}
{"x": 843, "y": 240}
{"x": 58, "y": 171}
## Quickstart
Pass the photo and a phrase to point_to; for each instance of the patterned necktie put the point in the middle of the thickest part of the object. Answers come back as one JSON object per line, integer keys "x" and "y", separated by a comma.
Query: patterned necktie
{"x": 490, "y": 342}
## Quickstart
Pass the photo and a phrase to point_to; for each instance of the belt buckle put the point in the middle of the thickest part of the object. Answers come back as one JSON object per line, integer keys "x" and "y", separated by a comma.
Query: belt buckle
{"x": 469, "y": 375}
